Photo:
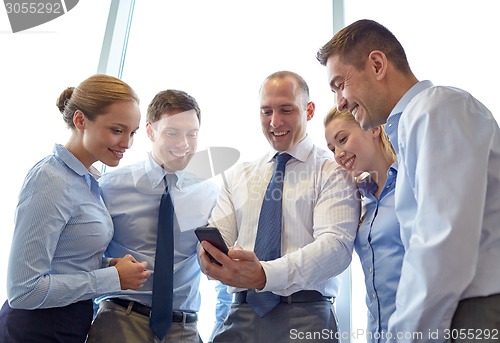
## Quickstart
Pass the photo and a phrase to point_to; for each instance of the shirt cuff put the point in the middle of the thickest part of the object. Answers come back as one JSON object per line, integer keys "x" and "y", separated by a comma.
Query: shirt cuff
{"x": 105, "y": 262}
{"x": 107, "y": 280}
{"x": 276, "y": 275}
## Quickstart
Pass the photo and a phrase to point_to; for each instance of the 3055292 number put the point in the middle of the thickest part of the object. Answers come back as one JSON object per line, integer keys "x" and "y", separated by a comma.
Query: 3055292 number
{"x": 471, "y": 334}
{"x": 34, "y": 7}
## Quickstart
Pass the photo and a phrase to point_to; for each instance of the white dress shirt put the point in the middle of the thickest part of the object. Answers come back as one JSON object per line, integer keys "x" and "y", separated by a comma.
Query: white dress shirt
{"x": 320, "y": 218}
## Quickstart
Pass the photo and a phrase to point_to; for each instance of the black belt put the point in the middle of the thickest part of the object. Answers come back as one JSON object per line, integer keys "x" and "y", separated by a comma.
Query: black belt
{"x": 177, "y": 316}
{"x": 297, "y": 297}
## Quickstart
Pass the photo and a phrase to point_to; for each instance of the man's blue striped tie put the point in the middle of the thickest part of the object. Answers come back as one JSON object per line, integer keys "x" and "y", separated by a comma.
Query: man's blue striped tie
{"x": 268, "y": 240}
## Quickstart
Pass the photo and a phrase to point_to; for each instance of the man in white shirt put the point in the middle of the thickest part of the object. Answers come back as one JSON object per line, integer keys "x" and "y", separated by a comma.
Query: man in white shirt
{"x": 317, "y": 222}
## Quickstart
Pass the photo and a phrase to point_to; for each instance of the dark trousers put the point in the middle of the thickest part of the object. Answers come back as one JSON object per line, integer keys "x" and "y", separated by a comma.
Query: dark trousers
{"x": 68, "y": 324}
{"x": 476, "y": 320}
{"x": 294, "y": 322}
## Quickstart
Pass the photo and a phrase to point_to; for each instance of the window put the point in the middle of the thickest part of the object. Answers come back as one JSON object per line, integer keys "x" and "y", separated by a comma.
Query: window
{"x": 36, "y": 65}
{"x": 456, "y": 49}
{"x": 220, "y": 52}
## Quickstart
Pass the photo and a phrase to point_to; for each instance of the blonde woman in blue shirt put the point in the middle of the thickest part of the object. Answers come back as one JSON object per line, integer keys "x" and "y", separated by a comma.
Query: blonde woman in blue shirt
{"x": 62, "y": 226}
{"x": 370, "y": 159}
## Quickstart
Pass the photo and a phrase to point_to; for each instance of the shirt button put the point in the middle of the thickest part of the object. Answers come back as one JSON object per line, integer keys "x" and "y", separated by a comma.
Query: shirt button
{"x": 374, "y": 296}
{"x": 371, "y": 270}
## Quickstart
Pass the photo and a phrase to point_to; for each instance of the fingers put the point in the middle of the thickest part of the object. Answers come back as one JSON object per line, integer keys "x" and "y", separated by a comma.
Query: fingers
{"x": 145, "y": 275}
{"x": 216, "y": 253}
{"x": 237, "y": 253}
{"x": 240, "y": 269}
{"x": 132, "y": 274}
{"x": 204, "y": 260}
{"x": 129, "y": 257}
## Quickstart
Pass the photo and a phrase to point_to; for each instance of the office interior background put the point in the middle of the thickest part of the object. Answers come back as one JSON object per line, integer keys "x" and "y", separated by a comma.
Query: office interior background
{"x": 219, "y": 51}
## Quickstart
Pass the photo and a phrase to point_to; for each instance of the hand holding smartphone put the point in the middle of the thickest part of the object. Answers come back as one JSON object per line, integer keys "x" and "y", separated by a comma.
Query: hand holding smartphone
{"x": 212, "y": 235}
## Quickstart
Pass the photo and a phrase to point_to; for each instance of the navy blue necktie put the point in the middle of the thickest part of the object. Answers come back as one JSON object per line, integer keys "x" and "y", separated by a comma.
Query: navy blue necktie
{"x": 268, "y": 240}
{"x": 161, "y": 309}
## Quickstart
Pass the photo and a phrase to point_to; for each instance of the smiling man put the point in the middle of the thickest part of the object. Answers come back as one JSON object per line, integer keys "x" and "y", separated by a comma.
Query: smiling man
{"x": 447, "y": 190}
{"x": 292, "y": 242}
{"x": 133, "y": 195}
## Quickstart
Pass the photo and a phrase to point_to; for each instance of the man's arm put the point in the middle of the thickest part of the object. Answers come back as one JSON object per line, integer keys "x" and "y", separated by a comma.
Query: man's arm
{"x": 443, "y": 166}
{"x": 334, "y": 223}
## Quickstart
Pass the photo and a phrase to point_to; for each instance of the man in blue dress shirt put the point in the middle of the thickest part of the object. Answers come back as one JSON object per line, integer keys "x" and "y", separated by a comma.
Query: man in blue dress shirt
{"x": 132, "y": 195}
{"x": 447, "y": 189}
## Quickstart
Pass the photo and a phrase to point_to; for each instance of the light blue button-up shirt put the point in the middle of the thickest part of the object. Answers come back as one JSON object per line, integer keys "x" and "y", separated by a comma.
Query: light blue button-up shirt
{"x": 380, "y": 250}
{"x": 448, "y": 205}
{"x": 132, "y": 195}
{"x": 61, "y": 231}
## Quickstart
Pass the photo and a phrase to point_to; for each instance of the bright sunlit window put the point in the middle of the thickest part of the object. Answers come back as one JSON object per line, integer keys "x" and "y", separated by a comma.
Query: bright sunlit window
{"x": 450, "y": 42}
{"x": 220, "y": 52}
{"x": 36, "y": 65}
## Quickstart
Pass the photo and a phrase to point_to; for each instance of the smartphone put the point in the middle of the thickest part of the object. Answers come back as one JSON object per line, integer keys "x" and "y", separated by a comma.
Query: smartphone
{"x": 212, "y": 235}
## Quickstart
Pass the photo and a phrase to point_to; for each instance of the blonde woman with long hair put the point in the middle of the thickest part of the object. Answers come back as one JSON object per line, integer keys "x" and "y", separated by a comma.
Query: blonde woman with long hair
{"x": 369, "y": 158}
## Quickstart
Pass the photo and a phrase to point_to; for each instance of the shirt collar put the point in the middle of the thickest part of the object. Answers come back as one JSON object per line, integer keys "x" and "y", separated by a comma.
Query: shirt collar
{"x": 392, "y": 173}
{"x": 393, "y": 168}
{"x": 391, "y": 127}
{"x": 409, "y": 95}
{"x": 366, "y": 184}
{"x": 299, "y": 151}
{"x": 156, "y": 173}
{"x": 73, "y": 163}
{"x": 70, "y": 160}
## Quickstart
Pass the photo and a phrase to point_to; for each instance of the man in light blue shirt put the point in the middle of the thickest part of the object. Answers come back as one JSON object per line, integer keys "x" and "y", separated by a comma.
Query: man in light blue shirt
{"x": 132, "y": 195}
{"x": 447, "y": 189}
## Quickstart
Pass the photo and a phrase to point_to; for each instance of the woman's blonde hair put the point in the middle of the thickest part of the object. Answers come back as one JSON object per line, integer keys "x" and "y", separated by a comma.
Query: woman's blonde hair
{"x": 92, "y": 96}
{"x": 388, "y": 150}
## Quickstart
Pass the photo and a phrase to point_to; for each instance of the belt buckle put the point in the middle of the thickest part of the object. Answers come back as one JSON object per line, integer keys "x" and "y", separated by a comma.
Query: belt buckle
{"x": 183, "y": 317}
